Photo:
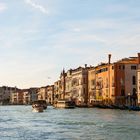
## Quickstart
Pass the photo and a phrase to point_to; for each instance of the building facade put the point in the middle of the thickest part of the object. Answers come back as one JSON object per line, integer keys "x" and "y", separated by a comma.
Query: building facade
{"x": 125, "y": 81}
{"x": 114, "y": 83}
{"x": 91, "y": 86}
{"x": 5, "y": 93}
{"x": 26, "y": 97}
{"x": 62, "y": 87}
{"x": 79, "y": 86}
{"x": 138, "y": 85}
{"x": 57, "y": 91}
{"x": 42, "y": 93}
{"x": 33, "y": 94}
{"x": 17, "y": 97}
{"x": 50, "y": 94}
{"x": 74, "y": 85}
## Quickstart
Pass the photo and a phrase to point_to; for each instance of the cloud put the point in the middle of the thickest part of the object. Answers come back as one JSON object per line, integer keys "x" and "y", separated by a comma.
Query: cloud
{"x": 3, "y": 7}
{"x": 76, "y": 29}
{"x": 37, "y": 6}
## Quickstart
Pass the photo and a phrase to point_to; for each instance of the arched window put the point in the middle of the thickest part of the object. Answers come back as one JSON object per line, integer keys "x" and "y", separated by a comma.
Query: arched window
{"x": 75, "y": 82}
{"x": 134, "y": 80}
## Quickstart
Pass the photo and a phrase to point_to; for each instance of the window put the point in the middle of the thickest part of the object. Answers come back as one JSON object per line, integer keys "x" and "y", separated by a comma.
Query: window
{"x": 100, "y": 93}
{"x": 84, "y": 91}
{"x": 134, "y": 80}
{"x": 75, "y": 82}
{"x": 122, "y": 92}
{"x": 106, "y": 82}
{"x": 113, "y": 82}
{"x": 133, "y": 67}
{"x": 102, "y": 70}
{"x": 106, "y": 69}
{"x": 134, "y": 92}
{"x": 113, "y": 92}
{"x": 93, "y": 82}
{"x": 121, "y": 67}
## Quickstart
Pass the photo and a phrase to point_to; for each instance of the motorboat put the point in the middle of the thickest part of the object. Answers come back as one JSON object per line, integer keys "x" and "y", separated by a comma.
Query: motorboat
{"x": 39, "y": 106}
{"x": 64, "y": 104}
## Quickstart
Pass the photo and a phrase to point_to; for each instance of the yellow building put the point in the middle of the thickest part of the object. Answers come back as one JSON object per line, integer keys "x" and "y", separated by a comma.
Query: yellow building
{"x": 42, "y": 93}
{"x": 105, "y": 83}
{"x": 101, "y": 84}
{"x": 91, "y": 86}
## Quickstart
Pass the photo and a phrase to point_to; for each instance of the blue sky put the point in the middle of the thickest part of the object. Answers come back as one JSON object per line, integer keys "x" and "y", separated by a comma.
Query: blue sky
{"x": 38, "y": 38}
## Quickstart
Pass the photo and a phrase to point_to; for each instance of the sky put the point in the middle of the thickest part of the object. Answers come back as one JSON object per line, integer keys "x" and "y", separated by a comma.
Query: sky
{"x": 38, "y": 38}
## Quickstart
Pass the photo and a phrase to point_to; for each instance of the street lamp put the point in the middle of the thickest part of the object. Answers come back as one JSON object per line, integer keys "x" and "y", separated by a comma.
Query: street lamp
{"x": 129, "y": 99}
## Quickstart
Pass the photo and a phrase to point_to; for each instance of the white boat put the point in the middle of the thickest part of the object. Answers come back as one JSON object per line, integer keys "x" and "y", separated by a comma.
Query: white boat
{"x": 64, "y": 104}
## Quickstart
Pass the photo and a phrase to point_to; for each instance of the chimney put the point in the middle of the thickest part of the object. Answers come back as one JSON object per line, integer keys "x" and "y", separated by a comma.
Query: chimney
{"x": 139, "y": 58}
{"x": 85, "y": 65}
{"x": 109, "y": 58}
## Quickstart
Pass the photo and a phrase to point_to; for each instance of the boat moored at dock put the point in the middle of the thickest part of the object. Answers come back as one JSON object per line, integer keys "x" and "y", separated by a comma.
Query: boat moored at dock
{"x": 64, "y": 104}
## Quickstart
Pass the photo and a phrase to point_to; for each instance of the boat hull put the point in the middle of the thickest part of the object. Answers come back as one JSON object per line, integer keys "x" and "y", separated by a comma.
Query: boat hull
{"x": 40, "y": 109}
{"x": 64, "y": 104}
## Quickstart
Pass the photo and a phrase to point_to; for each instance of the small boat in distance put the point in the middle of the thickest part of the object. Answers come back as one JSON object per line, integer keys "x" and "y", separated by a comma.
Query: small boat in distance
{"x": 64, "y": 104}
{"x": 39, "y": 105}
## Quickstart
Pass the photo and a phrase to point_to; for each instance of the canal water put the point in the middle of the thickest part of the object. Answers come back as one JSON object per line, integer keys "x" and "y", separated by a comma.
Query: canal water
{"x": 20, "y": 123}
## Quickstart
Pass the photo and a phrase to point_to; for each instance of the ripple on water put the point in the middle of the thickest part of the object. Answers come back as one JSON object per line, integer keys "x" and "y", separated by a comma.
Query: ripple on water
{"x": 75, "y": 123}
{"x": 20, "y": 123}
